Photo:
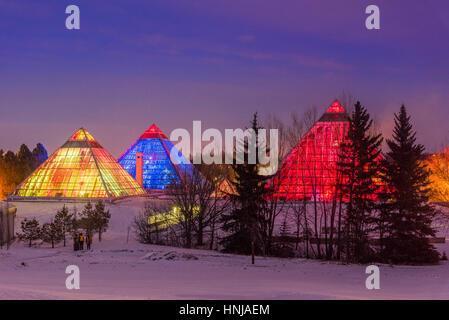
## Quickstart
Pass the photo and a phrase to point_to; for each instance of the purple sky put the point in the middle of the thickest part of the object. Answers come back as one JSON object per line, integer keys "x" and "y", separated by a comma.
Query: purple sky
{"x": 136, "y": 62}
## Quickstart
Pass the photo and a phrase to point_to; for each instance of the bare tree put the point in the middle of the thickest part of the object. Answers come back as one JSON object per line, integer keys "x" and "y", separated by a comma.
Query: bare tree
{"x": 276, "y": 205}
{"x": 438, "y": 164}
{"x": 290, "y": 135}
{"x": 152, "y": 222}
{"x": 197, "y": 204}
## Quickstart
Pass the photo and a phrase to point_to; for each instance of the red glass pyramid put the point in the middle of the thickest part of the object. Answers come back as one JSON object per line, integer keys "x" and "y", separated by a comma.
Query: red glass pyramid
{"x": 309, "y": 171}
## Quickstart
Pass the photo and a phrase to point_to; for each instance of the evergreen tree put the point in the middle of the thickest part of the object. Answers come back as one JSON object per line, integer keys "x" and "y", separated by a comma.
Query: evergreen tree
{"x": 51, "y": 233}
{"x": 76, "y": 225}
{"x": 30, "y": 230}
{"x": 24, "y": 155}
{"x": 244, "y": 224}
{"x": 101, "y": 218}
{"x": 39, "y": 155}
{"x": 286, "y": 247}
{"x": 409, "y": 213}
{"x": 24, "y": 160}
{"x": 12, "y": 172}
{"x": 95, "y": 219}
{"x": 86, "y": 220}
{"x": 359, "y": 162}
{"x": 284, "y": 230}
{"x": 64, "y": 220}
{"x": 14, "y": 168}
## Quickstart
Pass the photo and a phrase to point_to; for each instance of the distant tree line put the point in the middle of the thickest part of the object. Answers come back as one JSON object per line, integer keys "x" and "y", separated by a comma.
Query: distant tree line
{"x": 16, "y": 167}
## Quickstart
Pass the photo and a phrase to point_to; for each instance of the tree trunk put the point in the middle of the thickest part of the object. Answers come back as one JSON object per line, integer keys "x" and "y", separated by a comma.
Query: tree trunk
{"x": 252, "y": 252}
{"x": 212, "y": 235}
{"x": 157, "y": 233}
{"x": 317, "y": 233}
{"x": 306, "y": 228}
{"x": 188, "y": 236}
{"x": 339, "y": 230}
{"x": 297, "y": 234}
{"x": 200, "y": 232}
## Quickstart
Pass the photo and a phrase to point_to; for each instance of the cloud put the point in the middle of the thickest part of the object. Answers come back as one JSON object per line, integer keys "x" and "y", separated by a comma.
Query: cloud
{"x": 226, "y": 52}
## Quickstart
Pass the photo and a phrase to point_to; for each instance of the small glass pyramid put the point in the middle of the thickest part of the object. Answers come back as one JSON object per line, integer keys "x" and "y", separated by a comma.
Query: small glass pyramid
{"x": 80, "y": 169}
{"x": 159, "y": 169}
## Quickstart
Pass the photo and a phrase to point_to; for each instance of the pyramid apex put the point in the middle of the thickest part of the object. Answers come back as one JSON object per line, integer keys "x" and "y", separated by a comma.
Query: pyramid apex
{"x": 335, "y": 113}
{"x": 82, "y": 134}
{"x": 153, "y": 132}
{"x": 336, "y": 107}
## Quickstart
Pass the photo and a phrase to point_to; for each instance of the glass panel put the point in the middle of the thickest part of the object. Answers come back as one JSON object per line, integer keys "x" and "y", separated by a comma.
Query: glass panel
{"x": 158, "y": 169}
{"x": 310, "y": 170}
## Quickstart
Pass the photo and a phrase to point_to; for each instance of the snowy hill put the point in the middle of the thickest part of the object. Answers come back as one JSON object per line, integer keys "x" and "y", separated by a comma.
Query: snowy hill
{"x": 115, "y": 269}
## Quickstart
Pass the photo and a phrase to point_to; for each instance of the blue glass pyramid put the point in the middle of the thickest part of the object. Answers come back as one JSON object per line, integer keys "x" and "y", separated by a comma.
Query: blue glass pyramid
{"x": 159, "y": 169}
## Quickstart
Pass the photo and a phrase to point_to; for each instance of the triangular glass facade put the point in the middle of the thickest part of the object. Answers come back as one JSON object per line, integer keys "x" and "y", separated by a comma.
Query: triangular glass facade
{"x": 81, "y": 168}
{"x": 224, "y": 189}
{"x": 159, "y": 169}
{"x": 310, "y": 170}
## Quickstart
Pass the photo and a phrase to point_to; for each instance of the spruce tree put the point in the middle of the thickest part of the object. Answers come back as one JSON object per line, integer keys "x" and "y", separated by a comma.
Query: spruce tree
{"x": 285, "y": 248}
{"x": 30, "y": 230}
{"x": 51, "y": 233}
{"x": 244, "y": 224}
{"x": 24, "y": 155}
{"x": 101, "y": 218}
{"x": 64, "y": 220}
{"x": 86, "y": 219}
{"x": 39, "y": 155}
{"x": 94, "y": 218}
{"x": 13, "y": 172}
{"x": 409, "y": 213}
{"x": 359, "y": 162}
{"x": 25, "y": 162}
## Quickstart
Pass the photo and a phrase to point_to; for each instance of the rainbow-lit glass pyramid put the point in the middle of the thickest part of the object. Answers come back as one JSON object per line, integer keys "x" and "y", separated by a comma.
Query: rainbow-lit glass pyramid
{"x": 80, "y": 169}
{"x": 159, "y": 167}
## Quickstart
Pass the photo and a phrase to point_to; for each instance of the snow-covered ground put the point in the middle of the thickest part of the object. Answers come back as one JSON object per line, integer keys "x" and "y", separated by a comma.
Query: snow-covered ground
{"x": 115, "y": 269}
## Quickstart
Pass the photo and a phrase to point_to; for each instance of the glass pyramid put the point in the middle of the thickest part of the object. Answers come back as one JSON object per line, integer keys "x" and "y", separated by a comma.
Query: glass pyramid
{"x": 159, "y": 169}
{"x": 224, "y": 189}
{"x": 80, "y": 169}
{"x": 310, "y": 170}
